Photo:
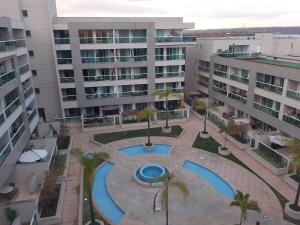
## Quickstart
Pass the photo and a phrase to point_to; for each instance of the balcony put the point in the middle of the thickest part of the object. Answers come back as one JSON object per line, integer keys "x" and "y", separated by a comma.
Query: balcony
{"x": 131, "y": 58}
{"x": 99, "y": 78}
{"x": 62, "y": 41}
{"x": 66, "y": 79}
{"x": 240, "y": 79}
{"x": 133, "y": 93}
{"x": 291, "y": 120}
{"x": 269, "y": 87}
{"x": 203, "y": 69}
{"x": 69, "y": 98}
{"x": 220, "y": 73}
{"x": 107, "y": 59}
{"x": 7, "y": 77}
{"x": 170, "y": 57}
{"x": 240, "y": 98}
{"x": 101, "y": 95}
{"x": 20, "y": 43}
{"x": 4, "y": 152}
{"x": 220, "y": 90}
{"x": 32, "y": 114}
{"x": 28, "y": 92}
{"x": 132, "y": 76}
{"x": 16, "y": 136}
{"x": 202, "y": 83}
{"x": 266, "y": 109}
{"x": 64, "y": 60}
{"x": 293, "y": 94}
{"x": 12, "y": 107}
{"x": 163, "y": 39}
{"x": 96, "y": 40}
{"x": 130, "y": 39}
{"x": 23, "y": 69}
{"x": 6, "y": 46}
{"x": 175, "y": 90}
{"x": 2, "y": 118}
{"x": 170, "y": 74}
{"x": 239, "y": 54}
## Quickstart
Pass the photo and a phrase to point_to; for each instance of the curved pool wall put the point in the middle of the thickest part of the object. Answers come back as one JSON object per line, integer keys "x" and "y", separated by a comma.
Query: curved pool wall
{"x": 136, "y": 150}
{"x": 218, "y": 183}
{"x": 102, "y": 197}
{"x": 151, "y": 173}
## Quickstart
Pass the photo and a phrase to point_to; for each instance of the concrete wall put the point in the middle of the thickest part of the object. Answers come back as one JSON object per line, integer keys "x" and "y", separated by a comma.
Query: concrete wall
{"x": 10, "y": 8}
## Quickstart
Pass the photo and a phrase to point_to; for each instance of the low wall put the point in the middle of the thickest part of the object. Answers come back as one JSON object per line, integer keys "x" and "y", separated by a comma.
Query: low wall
{"x": 290, "y": 181}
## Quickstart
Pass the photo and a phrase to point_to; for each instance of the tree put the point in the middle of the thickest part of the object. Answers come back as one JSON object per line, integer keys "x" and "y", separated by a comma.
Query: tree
{"x": 202, "y": 107}
{"x": 226, "y": 130}
{"x": 168, "y": 183}
{"x": 90, "y": 162}
{"x": 244, "y": 203}
{"x": 294, "y": 145}
{"x": 239, "y": 130}
{"x": 166, "y": 93}
{"x": 146, "y": 114}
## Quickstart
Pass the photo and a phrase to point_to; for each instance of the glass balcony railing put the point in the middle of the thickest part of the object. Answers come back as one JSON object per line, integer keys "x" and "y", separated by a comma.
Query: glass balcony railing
{"x": 20, "y": 43}
{"x": 291, "y": 120}
{"x": 12, "y": 107}
{"x": 269, "y": 87}
{"x": 170, "y": 74}
{"x": 133, "y": 93}
{"x": 101, "y": 95}
{"x": 221, "y": 73}
{"x": 130, "y": 39}
{"x": 4, "y": 152}
{"x": 132, "y": 76}
{"x": 176, "y": 90}
{"x": 66, "y": 79}
{"x": 240, "y": 98}
{"x": 220, "y": 90}
{"x": 23, "y": 69}
{"x": 7, "y": 77}
{"x": 99, "y": 78}
{"x": 131, "y": 58}
{"x": 293, "y": 94}
{"x": 238, "y": 54}
{"x": 203, "y": 69}
{"x": 28, "y": 92}
{"x": 107, "y": 59}
{"x": 6, "y": 46}
{"x": 2, "y": 118}
{"x": 202, "y": 83}
{"x": 62, "y": 41}
{"x": 175, "y": 39}
{"x": 32, "y": 114}
{"x": 266, "y": 109}
{"x": 96, "y": 40}
{"x": 69, "y": 98}
{"x": 170, "y": 57}
{"x": 64, "y": 60}
{"x": 16, "y": 136}
{"x": 240, "y": 79}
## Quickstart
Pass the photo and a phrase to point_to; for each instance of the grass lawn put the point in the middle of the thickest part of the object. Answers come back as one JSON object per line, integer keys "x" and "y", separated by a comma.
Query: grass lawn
{"x": 110, "y": 137}
{"x": 211, "y": 145}
{"x": 60, "y": 163}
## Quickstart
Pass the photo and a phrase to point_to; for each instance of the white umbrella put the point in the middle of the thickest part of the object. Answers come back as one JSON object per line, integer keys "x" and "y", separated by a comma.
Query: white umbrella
{"x": 33, "y": 155}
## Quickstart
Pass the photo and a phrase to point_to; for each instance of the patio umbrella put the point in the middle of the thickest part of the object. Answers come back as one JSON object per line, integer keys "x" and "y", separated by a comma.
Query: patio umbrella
{"x": 33, "y": 155}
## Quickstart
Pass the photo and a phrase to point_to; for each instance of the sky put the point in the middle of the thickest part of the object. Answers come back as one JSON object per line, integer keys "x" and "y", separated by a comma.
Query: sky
{"x": 205, "y": 14}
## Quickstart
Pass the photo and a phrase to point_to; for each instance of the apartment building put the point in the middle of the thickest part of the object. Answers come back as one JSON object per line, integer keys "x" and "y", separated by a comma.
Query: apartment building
{"x": 251, "y": 77}
{"x": 106, "y": 66}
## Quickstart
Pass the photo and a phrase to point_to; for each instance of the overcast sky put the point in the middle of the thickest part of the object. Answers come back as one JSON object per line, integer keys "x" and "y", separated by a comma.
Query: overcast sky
{"x": 205, "y": 13}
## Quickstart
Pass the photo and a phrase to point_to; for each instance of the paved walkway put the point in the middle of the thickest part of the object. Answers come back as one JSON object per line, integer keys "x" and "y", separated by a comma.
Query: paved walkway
{"x": 183, "y": 147}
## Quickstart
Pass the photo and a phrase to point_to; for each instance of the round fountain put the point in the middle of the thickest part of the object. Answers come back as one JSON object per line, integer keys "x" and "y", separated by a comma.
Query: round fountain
{"x": 150, "y": 175}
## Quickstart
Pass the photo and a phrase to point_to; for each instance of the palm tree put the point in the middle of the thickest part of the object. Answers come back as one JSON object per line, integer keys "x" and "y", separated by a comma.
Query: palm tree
{"x": 166, "y": 93}
{"x": 146, "y": 114}
{"x": 90, "y": 162}
{"x": 294, "y": 145}
{"x": 244, "y": 203}
{"x": 201, "y": 106}
{"x": 171, "y": 182}
{"x": 226, "y": 130}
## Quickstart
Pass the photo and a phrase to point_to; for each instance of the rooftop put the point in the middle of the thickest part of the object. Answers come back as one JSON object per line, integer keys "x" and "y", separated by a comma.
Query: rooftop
{"x": 278, "y": 63}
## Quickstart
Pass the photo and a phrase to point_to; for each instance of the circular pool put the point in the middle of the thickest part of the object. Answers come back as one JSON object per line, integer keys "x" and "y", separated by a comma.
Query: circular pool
{"x": 150, "y": 175}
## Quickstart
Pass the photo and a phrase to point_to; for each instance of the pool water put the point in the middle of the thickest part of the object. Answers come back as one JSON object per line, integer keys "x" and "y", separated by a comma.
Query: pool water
{"x": 102, "y": 197}
{"x": 136, "y": 150}
{"x": 218, "y": 183}
{"x": 153, "y": 171}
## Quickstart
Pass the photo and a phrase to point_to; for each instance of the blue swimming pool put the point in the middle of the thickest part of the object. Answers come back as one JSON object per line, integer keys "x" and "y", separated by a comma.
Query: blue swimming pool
{"x": 218, "y": 183}
{"x": 102, "y": 197}
{"x": 151, "y": 173}
{"x": 136, "y": 150}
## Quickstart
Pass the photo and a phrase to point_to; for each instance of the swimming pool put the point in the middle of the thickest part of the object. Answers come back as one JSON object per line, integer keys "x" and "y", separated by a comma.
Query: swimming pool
{"x": 102, "y": 197}
{"x": 136, "y": 150}
{"x": 218, "y": 183}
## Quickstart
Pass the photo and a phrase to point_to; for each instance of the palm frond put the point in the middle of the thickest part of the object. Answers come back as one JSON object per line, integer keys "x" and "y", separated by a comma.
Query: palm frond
{"x": 253, "y": 205}
{"x": 145, "y": 114}
{"x": 235, "y": 203}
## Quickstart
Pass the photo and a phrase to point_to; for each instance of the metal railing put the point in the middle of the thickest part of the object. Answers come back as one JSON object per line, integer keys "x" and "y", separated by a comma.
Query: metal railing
{"x": 240, "y": 79}
{"x": 69, "y": 98}
{"x": 176, "y": 90}
{"x": 170, "y": 57}
{"x": 130, "y": 39}
{"x": 107, "y": 59}
{"x": 132, "y": 76}
{"x": 11, "y": 45}
{"x": 28, "y": 92}
{"x": 291, "y": 120}
{"x": 96, "y": 40}
{"x": 32, "y": 114}
{"x": 64, "y": 60}
{"x": 101, "y": 121}
{"x": 238, "y": 54}
{"x": 220, "y": 90}
{"x": 99, "y": 78}
{"x": 293, "y": 94}
{"x": 266, "y": 109}
{"x": 66, "y": 79}
{"x": 12, "y": 107}
{"x": 62, "y": 41}
{"x": 4, "y": 153}
{"x": 2, "y": 118}
{"x": 24, "y": 69}
{"x": 240, "y": 98}
{"x": 16, "y": 136}
{"x": 133, "y": 93}
{"x": 172, "y": 114}
{"x": 6, "y": 77}
{"x": 170, "y": 74}
{"x": 101, "y": 95}
{"x": 204, "y": 69}
{"x": 175, "y": 39}
{"x": 131, "y": 58}
{"x": 20, "y": 43}
{"x": 221, "y": 73}
{"x": 269, "y": 87}
{"x": 202, "y": 83}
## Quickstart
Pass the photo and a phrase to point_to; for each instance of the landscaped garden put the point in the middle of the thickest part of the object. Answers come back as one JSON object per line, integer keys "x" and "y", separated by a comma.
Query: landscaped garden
{"x": 105, "y": 138}
{"x": 60, "y": 163}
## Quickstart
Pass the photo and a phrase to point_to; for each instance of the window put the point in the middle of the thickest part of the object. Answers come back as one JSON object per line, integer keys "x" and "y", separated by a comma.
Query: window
{"x": 31, "y": 53}
{"x": 34, "y": 72}
{"x": 24, "y": 13}
{"x": 42, "y": 113}
{"x": 37, "y": 91}
{"x": 28, "y": 33}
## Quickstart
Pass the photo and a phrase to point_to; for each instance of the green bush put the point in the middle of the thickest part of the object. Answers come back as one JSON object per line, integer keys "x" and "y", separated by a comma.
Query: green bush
{"x": 10, "y": 214}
